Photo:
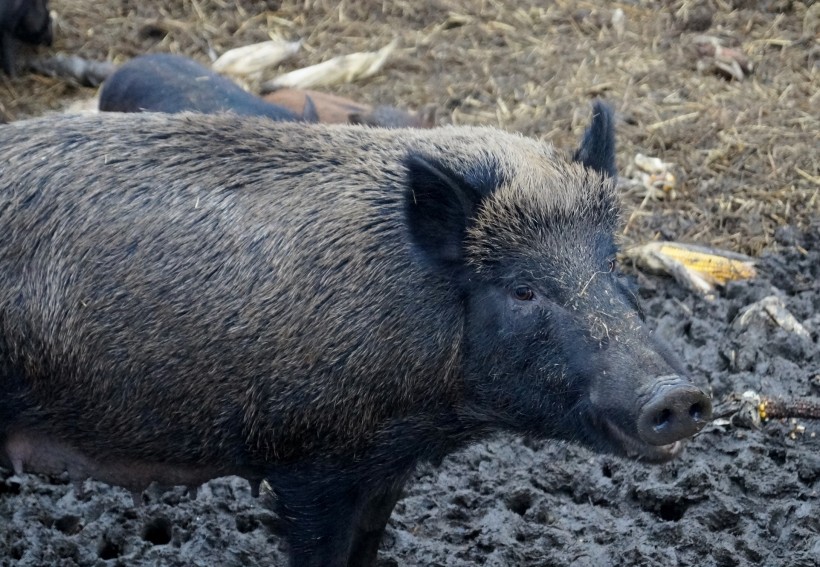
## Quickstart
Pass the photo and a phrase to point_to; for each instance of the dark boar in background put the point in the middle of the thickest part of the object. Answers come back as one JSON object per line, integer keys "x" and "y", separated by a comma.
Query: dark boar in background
{"x": 163, "y": 82}
{"x": 22, "y": 20}
{"x": 184, "y": 297}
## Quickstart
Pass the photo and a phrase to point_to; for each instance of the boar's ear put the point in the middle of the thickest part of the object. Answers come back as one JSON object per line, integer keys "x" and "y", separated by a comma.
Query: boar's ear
{"x": 597, "y": 149}
{"x": 438, "y": 205}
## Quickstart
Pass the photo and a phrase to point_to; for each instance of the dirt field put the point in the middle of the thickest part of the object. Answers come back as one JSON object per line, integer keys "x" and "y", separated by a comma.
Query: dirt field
{"x": 747, "y": 168}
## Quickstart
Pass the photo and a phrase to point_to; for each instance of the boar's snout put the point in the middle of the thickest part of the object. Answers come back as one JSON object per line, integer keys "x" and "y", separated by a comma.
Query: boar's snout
{"x": 674, "y": 410}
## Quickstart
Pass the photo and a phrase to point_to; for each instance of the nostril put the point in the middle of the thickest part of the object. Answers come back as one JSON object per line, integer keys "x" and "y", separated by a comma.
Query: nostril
{"x": 662, "y": 418}
{"x": 673, "y": 412}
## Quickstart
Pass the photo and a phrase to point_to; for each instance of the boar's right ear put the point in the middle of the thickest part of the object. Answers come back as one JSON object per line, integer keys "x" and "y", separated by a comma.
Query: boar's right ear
{"x": 438, "y": 205}
{"x": 597, "y": 150}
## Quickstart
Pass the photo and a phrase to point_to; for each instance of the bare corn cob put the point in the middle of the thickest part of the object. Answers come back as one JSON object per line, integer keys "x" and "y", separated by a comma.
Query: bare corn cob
{"x": 751, "y": 409}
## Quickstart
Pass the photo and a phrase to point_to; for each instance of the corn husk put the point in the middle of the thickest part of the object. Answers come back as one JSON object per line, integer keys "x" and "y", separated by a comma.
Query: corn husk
{"x": 772, "y": 310}
{"x": 342, "y": 69}
{"x": 255, "y": 58}
{"x": 749, "y": 412}
{"x": 655, "y": 175}
{"x": 698, "y": 268}
{"x": 83, "y": 106}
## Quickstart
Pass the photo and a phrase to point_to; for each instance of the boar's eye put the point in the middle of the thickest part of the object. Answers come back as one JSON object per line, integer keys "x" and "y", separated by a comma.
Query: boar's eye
{"x": 612, "y": 264}
{"x": 523, "y": 293}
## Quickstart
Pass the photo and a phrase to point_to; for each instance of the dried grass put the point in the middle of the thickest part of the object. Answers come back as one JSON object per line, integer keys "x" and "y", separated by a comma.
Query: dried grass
{"x": 745, "y": 151}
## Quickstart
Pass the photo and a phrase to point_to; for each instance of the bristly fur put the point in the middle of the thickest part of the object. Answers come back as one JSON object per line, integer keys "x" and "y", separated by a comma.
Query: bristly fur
{"x": 190, "y": 296}
{"x": 261, "y": 197}
{"x": 532, "y": 219}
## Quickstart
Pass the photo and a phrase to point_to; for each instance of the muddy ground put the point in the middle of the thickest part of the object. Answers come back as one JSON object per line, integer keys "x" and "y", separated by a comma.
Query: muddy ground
{"x": 747, "y": 179}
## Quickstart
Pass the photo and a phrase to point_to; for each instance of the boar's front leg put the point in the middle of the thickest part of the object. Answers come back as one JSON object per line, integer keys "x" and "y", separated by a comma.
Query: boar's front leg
{"x": 318, "y": 528}
{"x": 332, "y": 520}
{"x": 372, "y": 523}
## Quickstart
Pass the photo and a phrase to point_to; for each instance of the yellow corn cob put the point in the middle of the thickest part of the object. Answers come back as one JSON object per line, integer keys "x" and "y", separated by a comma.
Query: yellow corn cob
{"x": 719, "y": 266}
{"x": 697, "y": 267}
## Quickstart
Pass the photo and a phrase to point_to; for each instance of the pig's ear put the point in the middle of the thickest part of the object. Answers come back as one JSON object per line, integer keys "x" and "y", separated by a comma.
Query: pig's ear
{"x": 597, "y": 149}
{"x": 309, "y": 112}
{"x": 438, "y": 204}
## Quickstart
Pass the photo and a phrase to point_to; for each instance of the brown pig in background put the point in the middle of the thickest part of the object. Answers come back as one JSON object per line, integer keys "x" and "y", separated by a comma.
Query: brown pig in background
{"x": 332, "y": 109}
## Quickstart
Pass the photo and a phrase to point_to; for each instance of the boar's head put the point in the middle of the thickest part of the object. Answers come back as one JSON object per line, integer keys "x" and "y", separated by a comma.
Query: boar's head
{"x": 555, "y": 342}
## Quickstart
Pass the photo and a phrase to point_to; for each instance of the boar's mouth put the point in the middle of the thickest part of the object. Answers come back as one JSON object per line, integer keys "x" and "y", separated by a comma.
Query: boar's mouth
{"x": 635, "y": 448}
{"x": 654, "y": 426}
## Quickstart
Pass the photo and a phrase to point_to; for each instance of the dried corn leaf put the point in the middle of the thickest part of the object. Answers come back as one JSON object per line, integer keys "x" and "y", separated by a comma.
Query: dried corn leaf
{"x": 342, "y": 69}
{"x": 699, "y": 268}
{"x": 772, "y": 309}
{"x": 251, "y": 59}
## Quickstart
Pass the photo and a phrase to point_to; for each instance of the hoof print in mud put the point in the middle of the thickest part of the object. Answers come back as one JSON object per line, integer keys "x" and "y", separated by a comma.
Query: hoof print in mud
{"x": 158, "y": 531}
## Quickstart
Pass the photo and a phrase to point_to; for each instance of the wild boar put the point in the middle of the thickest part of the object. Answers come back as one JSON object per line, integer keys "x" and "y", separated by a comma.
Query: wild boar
{"x": 189, "y": 296}
{"x": 24, "y": 20}
{"x": 332, "y": 109}
{"x": 163, "y": 82}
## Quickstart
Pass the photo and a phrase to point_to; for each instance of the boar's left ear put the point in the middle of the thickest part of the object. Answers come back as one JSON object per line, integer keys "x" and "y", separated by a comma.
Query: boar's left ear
{"x": 597, "y": 149}
{"x": 438, "y": 203}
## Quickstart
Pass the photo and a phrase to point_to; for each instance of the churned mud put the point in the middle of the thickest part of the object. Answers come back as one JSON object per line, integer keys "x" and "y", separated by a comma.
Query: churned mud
{"x": 735, "y": 497}
{"x": 747, "y": 177}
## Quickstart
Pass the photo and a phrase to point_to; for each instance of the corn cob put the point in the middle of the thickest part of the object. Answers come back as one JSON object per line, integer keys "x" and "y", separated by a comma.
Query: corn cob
{"x": 697, "y": 267}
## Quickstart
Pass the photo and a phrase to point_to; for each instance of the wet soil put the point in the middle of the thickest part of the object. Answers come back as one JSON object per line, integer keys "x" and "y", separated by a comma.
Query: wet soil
{"x": 748, "y": 176}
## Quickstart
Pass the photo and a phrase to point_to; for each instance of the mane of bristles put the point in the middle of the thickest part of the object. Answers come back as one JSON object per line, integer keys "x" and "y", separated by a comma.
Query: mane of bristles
{"x": 567, "y": 198}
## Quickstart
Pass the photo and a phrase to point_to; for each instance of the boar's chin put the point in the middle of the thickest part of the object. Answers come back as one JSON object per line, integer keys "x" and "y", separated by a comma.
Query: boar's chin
{"x": 634, "y": 448}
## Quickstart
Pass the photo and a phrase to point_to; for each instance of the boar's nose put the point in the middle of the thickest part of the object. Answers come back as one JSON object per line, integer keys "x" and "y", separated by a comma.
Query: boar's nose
{"x": 675, "y": 410}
